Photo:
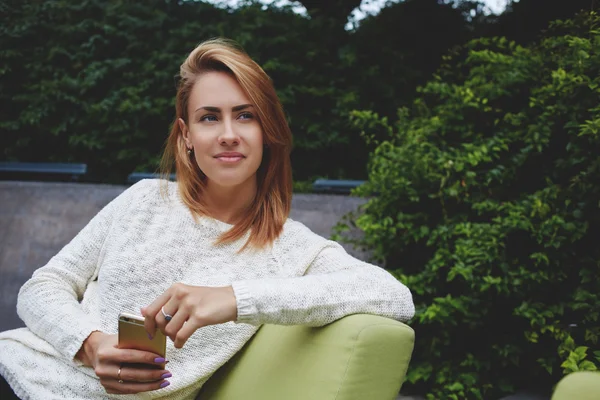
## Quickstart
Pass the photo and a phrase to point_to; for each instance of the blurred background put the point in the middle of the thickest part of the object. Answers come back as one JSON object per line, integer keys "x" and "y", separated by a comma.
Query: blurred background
{"x": 94, "y": 81}
{"x": 474, "y": 124}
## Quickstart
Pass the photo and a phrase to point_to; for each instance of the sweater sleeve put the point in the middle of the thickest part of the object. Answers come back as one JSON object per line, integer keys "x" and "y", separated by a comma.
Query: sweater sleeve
{"x": 49, "y": 302}
{"x": 334, "y": 285}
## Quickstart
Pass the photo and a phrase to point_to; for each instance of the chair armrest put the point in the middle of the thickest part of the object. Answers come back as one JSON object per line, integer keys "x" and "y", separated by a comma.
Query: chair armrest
{"x": 357, "y": 357}
{"x": 583, "y": 385}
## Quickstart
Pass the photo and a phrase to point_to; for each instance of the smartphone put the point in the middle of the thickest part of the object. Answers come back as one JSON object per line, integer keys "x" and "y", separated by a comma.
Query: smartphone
{"x": 132, "y": 335}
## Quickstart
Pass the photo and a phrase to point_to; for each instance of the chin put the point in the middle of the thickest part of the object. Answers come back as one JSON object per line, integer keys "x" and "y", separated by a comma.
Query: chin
{"x": 228, "y": 181}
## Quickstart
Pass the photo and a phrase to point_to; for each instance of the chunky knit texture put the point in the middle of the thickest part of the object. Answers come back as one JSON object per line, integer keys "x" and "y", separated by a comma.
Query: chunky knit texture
{"x": 140, "y": 244}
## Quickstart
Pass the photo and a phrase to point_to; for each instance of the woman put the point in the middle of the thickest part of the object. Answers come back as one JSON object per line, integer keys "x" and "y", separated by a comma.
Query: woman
{"x": 206, "y": 260}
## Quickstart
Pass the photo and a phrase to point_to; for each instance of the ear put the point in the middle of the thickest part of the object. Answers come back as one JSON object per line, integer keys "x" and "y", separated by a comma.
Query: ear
{"x": 184, "y": 131}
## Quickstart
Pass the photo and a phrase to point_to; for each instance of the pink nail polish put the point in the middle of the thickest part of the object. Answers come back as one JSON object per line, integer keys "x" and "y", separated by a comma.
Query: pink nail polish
{"x": 165, "y": 384}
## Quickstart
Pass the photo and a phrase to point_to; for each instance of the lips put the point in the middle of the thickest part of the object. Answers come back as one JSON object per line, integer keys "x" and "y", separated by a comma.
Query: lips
{"x": 229, "y": 157}
{"x": 229, "y": 154}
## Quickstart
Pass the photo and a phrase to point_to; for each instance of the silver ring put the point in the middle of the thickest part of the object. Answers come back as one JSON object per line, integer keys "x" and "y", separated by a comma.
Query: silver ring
{"x": 168, "y": 317}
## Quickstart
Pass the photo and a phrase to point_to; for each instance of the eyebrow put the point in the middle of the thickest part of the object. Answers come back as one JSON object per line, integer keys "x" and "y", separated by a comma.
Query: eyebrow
{"x": 218, "y": 110}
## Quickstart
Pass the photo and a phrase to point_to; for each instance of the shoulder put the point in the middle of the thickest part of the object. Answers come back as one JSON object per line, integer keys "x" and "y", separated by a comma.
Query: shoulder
{"x": 147, "y": 192}
{"x": 144, "y": 185}
{"x": 297, "y": 236}
{"x": 296, "y": 229}
{"x": 149, "y": 189}
{"x": 299, "y": 246}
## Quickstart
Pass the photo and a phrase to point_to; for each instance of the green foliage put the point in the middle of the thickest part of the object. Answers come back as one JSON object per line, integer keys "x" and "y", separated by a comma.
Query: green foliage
{"x": 303, "y": 186}
{"x": 88, "y": 81}
{"x": 411, "y": 36}
{"x": 94, "y": 81}
{"x": 485, "y": 202}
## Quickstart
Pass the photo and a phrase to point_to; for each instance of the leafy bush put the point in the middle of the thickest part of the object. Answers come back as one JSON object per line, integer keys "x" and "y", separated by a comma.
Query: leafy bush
{"x": 486, "y": 203}
{"x": 94, "y": 81}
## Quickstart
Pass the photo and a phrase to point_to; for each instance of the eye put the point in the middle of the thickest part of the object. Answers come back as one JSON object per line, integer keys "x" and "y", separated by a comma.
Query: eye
{"x": 245, "y": 115}
{"x": 209, "y": 118}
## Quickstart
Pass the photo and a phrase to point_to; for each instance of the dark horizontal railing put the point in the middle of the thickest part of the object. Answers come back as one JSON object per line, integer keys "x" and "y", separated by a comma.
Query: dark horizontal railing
{"x": 71, "y": 171}
{"x": 319, "y": 186}
{"x": 335, "y": 186}
{"x": 45, "y": 171}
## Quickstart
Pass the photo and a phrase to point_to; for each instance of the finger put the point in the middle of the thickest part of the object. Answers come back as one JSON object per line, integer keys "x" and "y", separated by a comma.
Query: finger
{"x": 172, "y": 308}
{"x": 134, "y": 356}
{"x": 151, "y": 311}
{"x": 110, "y": 371}
{"x": 169, "y": 309}
{"x": 179, "y": 319}
{"x": 144, "y": 375}
{"x": 109, "y": 354}
{"x": 185, "y": 332}
{"x": 115, "y": 387}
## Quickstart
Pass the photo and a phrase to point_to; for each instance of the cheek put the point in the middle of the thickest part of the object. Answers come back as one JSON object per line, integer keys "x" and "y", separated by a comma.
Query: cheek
{"x": 259, "y": 148}
{"x": 257, "y": 137}
{"x": 200, "y": 138}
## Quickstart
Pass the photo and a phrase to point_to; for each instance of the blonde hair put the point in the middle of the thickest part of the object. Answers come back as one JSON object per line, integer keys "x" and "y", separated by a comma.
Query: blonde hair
{"x": 266, "y": 215}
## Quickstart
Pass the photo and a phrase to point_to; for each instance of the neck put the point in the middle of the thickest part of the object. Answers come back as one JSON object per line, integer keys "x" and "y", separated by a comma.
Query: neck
{"x": 228, "y": 203}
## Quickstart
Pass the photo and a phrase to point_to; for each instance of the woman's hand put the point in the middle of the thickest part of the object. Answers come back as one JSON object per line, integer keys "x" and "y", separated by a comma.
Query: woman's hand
{"x": 191, "y": 307}
{"x": 114, "y": 366}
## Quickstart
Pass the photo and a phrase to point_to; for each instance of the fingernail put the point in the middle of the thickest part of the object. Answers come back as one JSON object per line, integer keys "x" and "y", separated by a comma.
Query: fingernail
{"x": 165, "y": 384}
{"x": 167, "y": 375}
{"x": 159, "y": 360}
{"x": 149, "y": 336}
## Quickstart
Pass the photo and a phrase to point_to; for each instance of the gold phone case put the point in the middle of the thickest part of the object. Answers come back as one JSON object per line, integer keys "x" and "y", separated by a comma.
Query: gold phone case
{"x": 132, "y": 335}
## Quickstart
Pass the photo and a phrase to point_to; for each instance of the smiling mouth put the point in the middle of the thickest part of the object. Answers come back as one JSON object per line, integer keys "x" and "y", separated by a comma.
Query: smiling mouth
{"x": 229, "y": 159}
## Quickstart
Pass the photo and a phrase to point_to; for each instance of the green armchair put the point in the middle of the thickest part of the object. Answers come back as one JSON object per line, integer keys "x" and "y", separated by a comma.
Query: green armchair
{"x": 583, "y": 385}
{"x": 357, "y": 357}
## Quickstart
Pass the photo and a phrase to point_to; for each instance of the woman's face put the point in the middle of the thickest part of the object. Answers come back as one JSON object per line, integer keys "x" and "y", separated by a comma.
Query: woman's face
{"x": 223, "y": 130}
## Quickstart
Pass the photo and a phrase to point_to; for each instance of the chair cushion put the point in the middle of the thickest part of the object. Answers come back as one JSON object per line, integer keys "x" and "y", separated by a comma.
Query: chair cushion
{"x": 583, "y": 385}
{"x": 357, "y": 357}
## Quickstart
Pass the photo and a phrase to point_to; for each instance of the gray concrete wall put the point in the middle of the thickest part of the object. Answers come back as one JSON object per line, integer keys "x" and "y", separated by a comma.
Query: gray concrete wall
{"x": 38, "y": 219}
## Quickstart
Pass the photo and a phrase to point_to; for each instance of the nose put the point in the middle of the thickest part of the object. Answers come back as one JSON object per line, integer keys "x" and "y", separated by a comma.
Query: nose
{"x": 228, "y": 136}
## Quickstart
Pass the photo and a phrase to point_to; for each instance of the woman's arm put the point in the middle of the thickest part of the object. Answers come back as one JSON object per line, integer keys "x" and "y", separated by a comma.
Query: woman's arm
{"x": 334, "y": 285}
{"x": 48, "y": 302}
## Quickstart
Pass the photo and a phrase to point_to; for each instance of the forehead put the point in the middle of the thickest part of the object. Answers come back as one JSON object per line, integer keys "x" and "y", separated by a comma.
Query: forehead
{"x": 217, "y": 89}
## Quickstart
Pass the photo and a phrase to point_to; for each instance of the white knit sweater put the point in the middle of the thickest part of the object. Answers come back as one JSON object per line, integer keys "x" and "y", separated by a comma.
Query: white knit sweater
{"x": 140, "y": 244}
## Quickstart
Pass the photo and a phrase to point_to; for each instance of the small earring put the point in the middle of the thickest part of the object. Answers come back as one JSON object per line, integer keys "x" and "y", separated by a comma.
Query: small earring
{"x": 189, "y": 151}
